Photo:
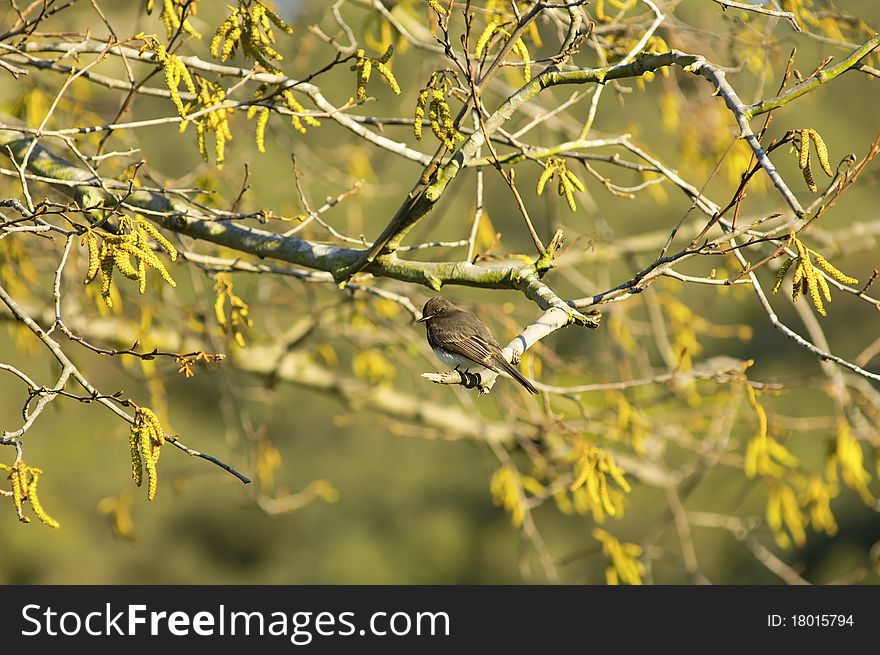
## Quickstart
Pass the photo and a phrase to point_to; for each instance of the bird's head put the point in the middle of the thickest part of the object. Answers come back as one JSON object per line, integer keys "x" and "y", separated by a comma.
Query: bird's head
{"x": 436, "y": 306}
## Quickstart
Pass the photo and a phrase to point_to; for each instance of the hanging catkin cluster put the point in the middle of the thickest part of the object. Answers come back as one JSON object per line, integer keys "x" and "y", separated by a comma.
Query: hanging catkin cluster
{"x": 433, "y": 98}
{"x": 363, "y": 68}
{"x": 175, "y": 72}
{"x": 568, "y": 181}
{"x": 299, "y": 117}
{"x": 519, "y": 46}
{"x": 215, "y": 120}
{"x": 174, "y": 16}
{"x": 592, "y": 468}
{"x": 249, "y": 28}
{"x": 24, "y": 480}
{"x": 115, "y": 251}
{"x": 239, "y": 319}
{"x": 145, "y": 441}
{"x": 806, "y": 279}
{"x": 805, "y": 136}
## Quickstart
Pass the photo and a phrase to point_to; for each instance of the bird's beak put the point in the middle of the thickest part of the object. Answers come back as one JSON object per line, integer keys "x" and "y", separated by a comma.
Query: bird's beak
{"x": 423, "y": 319}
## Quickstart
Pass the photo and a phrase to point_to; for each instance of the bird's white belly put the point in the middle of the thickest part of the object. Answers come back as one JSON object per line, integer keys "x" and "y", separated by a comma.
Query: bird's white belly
{"x": 453, "y": 360}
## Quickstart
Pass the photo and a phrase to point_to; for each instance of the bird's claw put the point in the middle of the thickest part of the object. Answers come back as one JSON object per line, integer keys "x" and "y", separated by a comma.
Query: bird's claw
{"x": 470, "y": 380}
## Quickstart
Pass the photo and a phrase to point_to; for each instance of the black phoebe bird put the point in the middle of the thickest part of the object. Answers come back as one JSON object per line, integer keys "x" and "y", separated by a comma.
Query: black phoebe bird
{"x": 460, "y": 339}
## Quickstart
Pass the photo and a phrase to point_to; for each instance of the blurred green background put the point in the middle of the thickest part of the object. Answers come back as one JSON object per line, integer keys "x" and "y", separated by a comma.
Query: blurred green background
{"x": 411, "y": 510}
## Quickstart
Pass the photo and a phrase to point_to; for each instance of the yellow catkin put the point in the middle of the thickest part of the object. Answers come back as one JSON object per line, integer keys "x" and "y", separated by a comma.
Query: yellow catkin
{"x": 388, "y": 76}
{"x": 750, "y": 460}
{"x": 175, "y": 73}
{"x": 780, "y": 274}
{"x": 189, "y": 29}
{"x": 366, "y": 67}
{"x": 149, "y": 463}
{"x": 219, "y": 313}
{"x": 520, "y": 47}
{"x": 159, "y": 238}
{"x": 546, "y": 174}
{"x": 169, "y": 17}
{"x": 484, "y": 38}
{"x": 616, "y": 474}
{"x": 294, "y": 105}
{"x": 389, "y": 51}
{"x": 575, "y": 181}
{"x": 804, "y": 154}
{"x": 94, "y": 261}
{"x": 129, "y": 244}
{"x": 154, "y": 425}
{"x": 123, "y": 264}
{"x": 18, "y": 492}
{"x": 200, "y": 139}
{"x": 183, "y": 76}
{"x": 568, "y": 190}
{"x": 449, "y": 131}
{"x": 260, "y": 135}
{"x": 149, "y": 258}
{"x": 435, "y": 123}
{"x": 361, "y": 91}
{"x": 791, "y": 515}
{"x": 280, "y": 24}
{"x": 219, "y": 148}
{"x": 831, "y": 270}
{"x": 232, "y": 40}
{"x": 813, "y": 288}
{"x": 259, "y": 16}
{"x": 759, "y": 413}
{"x": 823, "y": 285}
{"x": 593, "y": 489}
{"x": 218, "y": 38}
{"x": 603, "y": 495}
{"x": 798, "y": 272}
{"x": 808, "y": 177}
{"x": 419, "y": 115}
{"x": 822, "y": 151}
{"x": 142, "y": 277}
{"x": 137, "y": 463}
{"x": 36, "y": 506}
{"x": 809, "y": 272}
{"x": 106, "y": 277}
{"x": 435, "y": 5}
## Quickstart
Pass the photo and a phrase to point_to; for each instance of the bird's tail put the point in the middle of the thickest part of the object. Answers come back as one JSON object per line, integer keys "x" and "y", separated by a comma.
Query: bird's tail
{"x": 511, "y": 370}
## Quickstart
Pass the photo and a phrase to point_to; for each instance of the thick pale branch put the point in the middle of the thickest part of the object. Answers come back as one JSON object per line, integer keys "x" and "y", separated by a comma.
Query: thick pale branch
{"x": 177, "y": 216}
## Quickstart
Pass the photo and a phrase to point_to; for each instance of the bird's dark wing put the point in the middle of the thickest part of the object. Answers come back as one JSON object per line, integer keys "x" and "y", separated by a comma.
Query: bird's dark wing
{"x": 465, "y": 343}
